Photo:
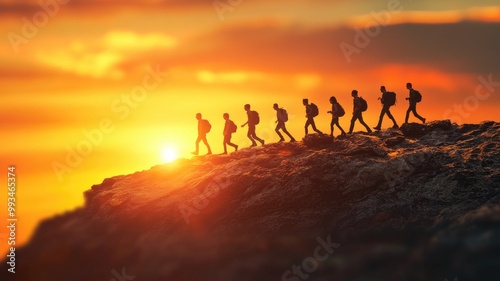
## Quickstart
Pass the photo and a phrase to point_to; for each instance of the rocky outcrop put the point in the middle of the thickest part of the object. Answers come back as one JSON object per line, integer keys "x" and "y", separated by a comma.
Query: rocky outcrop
{"x": 420, "y": 203}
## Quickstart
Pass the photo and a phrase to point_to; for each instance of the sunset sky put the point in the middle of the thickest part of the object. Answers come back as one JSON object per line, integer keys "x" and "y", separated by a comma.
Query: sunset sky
{"x": 92, "y": 89}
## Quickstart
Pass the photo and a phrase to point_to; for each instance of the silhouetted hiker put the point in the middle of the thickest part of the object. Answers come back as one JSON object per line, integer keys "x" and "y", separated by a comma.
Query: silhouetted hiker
{"x": 388, "y": 99}
{"x": 360, "y": 105}
{"x": 229, "y": 129}
{"x": 281, "y": 118}
{"x": 311, "y": 112}
{"x": 253, "y": 120}
{"x": 337, "y": 111}
{"x": 414, "y": 97}
{"x": 203, "y": 129}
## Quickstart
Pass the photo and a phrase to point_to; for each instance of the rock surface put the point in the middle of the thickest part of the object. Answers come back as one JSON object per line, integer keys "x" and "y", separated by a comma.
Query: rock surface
{"x": 422, "y": 203}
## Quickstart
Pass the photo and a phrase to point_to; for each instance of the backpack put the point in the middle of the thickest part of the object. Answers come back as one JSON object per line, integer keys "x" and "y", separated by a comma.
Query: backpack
{"x": 232, "y": 127}
{"x": 389, "y": 98}
{"x": 314, "y": 110}
{"x": 282, "y": 115}
{"x": 205, "y": 126}
{"x": 417, "y": 96}
{"x": 341, "y": 111}
{"x": 254, "y": 118}
{"x": 363, "y": 104}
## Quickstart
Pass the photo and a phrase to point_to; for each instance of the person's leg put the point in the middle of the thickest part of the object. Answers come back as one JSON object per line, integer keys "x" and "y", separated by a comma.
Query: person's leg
{"x": 287, "y": 133}
{"x": 255, "y": 137}
{"x": 416, "y": 114}
{"x": 336, "y": 122}
{"x": 389, "y": 114}
{"x": 228, "y": 137}
{"x": 204, "y": 139}
{"x": 313, "y": 124}
{"x": 224, "y": 143}
{"x": 363, "y": 123}
{"x": 408, "y": 113}
{"x": 308, "y": 122}
{"x": 380, "y": 119}
{"x": 331, "y": 126}
{"x": 353, "y": 120}
{"x": 197, "y": 145}
{"x": 278, "y": 127}
{"x": 250, "y": 134}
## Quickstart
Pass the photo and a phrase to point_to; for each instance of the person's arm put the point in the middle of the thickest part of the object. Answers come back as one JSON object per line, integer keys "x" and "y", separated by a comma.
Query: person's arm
{"x": 244, "y": 124}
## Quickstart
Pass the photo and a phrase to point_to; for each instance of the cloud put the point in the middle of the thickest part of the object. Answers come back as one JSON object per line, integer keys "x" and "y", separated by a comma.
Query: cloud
{"x": 469, "y": 47}
{"x": 102, "y": 59}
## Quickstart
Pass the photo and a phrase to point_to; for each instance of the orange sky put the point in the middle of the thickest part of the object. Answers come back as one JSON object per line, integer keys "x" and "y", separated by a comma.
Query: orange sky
{"x": 89, "y": 65}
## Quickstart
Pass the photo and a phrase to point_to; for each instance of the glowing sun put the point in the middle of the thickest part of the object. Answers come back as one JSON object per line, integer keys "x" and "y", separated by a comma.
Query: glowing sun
{"x": 169, "y": 154}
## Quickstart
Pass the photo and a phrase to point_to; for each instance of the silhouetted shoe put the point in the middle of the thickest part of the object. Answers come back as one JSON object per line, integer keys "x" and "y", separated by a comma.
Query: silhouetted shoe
{"x": 343, "y": 134}
{"x": 395, "y": 127}
{"x": 292, "y": 140}
{"x": 223, "y": 153}
{"x": 424, "y": 120}
{"x": 370, "y": 131}
{"x": 194, "y": 153}
{"x": 262, "y": 142}
{"x": 236, "y": 148}
{"x": 376, "y": 128}
{"x": 209, "y": 153}
{"x": 281, "y": 140}
{"x": 253, "y": 144}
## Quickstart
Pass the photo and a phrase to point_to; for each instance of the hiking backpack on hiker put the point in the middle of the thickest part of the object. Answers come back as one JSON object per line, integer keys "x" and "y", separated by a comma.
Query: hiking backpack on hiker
{"x": 205, "y": 126}
{"x": 314, "y": 110}
{"x": 417, "y": 96}
{"x": 232, "y": 127}
{"x": 363, "y": 105}
{"x": 282, "y": 115}
{"x": 389, "y": 98}
{"x": 340, "y": 111}
{"x": 254, "y": 118}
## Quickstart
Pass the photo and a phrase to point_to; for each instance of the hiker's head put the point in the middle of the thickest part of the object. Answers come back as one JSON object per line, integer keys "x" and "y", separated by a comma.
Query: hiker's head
{"x": 305, "y": 101}
{"x": 247, "y": 107}
{"x": 382, "y": 89}
{"x": 225, "y": 116}
{"x": 354, "y": 93}
{"x": 408, "y": 85}
{"x": 333, "y": 100}
{"x": 198, "y": 116}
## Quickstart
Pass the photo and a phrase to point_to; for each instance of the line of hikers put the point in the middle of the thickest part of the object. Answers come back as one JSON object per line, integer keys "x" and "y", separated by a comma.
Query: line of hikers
{"x": 360, "y": 105}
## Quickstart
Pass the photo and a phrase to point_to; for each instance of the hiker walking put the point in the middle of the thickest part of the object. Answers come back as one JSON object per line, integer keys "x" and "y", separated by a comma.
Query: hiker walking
{"x": 337, "y": 111}
{"x": 281, "y": 118}
{"x": 360, "y": 105}
{"x": 311, "y": 112}
{"x": 414, "y": 98}
{"x": 229, "y": 129}
{"x": 253, "y": 120}
{"x": 388, "y": 99}
{"x": 203, "y": 129}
